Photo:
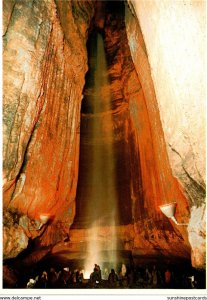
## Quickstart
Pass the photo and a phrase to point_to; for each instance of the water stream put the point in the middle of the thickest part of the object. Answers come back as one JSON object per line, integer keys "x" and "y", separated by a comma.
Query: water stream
{"x": 102, "y": 179}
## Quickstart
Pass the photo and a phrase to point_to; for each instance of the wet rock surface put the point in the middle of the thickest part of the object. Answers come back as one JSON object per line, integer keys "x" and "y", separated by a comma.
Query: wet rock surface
{"x": 43, "y": 81}
{"x": 45, "y": 64}
{"x": 177, "y": 99}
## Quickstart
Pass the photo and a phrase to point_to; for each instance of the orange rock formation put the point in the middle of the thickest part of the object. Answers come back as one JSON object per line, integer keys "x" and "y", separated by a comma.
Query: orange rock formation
{"x": 45, "y": 64}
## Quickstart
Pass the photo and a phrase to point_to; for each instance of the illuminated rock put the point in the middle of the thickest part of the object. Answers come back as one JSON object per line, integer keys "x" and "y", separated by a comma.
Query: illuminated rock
{"x": 45, "y": 64}
{"x": 43, "y": 80}
{"x": 176, "y": 58}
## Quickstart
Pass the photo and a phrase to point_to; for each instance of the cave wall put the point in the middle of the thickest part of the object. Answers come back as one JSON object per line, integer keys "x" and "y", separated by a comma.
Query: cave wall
{"x": 138, "y": 143}
{"x": 174, "y": 35}
{"x": 43, "y": 81}
{"x": 45, "y": 62}
{"x": 156, "y": 185}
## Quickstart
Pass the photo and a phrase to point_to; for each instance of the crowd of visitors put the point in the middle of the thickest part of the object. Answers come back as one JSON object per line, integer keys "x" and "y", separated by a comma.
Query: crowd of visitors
{"x": 126, "y": 277}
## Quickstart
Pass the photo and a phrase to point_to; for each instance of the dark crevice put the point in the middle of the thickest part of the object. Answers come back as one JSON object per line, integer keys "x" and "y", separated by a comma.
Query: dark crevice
{"x": 114, "y": 17}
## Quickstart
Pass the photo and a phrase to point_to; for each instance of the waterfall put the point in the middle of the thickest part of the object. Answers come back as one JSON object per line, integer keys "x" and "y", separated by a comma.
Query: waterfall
{"x": 103, "y": 195}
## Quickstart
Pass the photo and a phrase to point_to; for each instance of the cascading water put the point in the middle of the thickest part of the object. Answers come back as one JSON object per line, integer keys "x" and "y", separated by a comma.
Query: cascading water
{"x": 102, "y": 207}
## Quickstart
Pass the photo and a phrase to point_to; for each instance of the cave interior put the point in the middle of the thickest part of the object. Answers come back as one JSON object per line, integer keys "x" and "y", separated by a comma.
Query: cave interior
{"x": 123, "y": 172}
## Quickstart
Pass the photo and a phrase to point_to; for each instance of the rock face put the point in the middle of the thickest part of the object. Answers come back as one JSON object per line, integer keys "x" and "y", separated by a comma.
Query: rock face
{"x": 143, "y": 177}
{"x": 176, "y": 58}
{"x": 45, "y": 63}
{"x": 197, "y": 236}
{"x": 43, "y": 81}
{"x": 14, "y": 238}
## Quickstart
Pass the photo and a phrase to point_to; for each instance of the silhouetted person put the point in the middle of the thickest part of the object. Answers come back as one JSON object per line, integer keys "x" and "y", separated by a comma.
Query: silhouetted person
{"x": 73, "y": 277}
{"x": 77, "y": 274}
{"x": 43, "y": 280}
{"x": 80, "y": 277}
{"x": 99, "y": 271}
{"x": 148, "y": 276}
{"x": 154, "y": 277}
{"x": 64, "y": 278}
{"x": 95, "y": 277}
{"x": 123, "y": 276}
{"x": 113, "y": 279}
{"x": 52, "y": 278}
{"x": 31, "y": 283}
{"x": 167, "y": 278}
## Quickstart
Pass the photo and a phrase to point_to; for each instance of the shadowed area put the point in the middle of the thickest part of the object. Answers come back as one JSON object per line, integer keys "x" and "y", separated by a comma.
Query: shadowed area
{"x": 103, "y": 192}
